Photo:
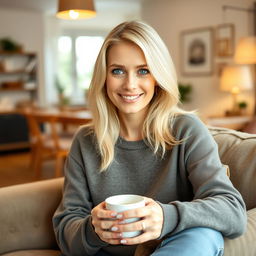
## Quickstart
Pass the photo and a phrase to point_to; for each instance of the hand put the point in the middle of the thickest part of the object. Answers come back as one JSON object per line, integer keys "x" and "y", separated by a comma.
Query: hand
{"x": 150, "y": 223}
{"x": 103, "y": 220}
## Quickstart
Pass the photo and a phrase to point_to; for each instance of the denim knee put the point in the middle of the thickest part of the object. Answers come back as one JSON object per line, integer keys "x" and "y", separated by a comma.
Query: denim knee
{"x": 198, "y": 241}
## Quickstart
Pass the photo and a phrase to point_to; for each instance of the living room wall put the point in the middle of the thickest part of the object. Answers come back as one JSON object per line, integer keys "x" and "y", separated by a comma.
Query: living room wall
{"x": 27, "y": 29}
{"x": 171, "y": 17}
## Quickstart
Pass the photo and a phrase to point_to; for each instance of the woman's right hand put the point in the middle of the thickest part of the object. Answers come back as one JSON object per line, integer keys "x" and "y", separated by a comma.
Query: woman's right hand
{"x": 103, "y": 220}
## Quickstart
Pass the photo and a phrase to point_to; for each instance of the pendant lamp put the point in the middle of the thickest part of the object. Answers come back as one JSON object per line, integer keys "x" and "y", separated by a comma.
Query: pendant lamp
{"x": 75, "y": 9}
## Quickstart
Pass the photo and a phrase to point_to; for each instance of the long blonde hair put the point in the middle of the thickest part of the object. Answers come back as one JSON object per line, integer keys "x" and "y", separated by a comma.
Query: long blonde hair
{"x": 163, "y": 107}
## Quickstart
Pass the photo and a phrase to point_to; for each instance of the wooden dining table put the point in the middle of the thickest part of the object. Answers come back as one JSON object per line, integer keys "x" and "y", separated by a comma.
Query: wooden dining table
{"x": 65, "y": 117}
{"x": 51, "y": 134}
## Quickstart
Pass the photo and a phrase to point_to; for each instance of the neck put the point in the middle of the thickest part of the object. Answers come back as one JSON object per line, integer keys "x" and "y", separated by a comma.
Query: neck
{"x": 131, "y": 127}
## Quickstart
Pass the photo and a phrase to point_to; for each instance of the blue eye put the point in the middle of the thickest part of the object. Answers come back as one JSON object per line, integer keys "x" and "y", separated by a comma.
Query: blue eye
{"x": 143, "y": 71}
{"x": 117, "y": 71}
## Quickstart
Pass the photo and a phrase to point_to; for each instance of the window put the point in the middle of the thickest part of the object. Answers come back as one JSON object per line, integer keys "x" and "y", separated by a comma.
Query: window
{"x": 76, "y": 59}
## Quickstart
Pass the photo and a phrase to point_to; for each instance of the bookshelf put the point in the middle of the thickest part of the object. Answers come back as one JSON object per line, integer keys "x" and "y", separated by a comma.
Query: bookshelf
{"x": 18, "y": 72}
{"x": 18, "y": 76}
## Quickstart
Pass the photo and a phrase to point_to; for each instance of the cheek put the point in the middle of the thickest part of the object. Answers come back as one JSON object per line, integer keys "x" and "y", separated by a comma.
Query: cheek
{"x": 111, "y": 83}
{"x": 110, "y": 87}
{"x": 150, "y": 85}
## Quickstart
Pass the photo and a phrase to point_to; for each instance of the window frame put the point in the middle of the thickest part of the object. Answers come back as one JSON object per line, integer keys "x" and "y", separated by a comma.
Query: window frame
{"x": 74, "y": 34}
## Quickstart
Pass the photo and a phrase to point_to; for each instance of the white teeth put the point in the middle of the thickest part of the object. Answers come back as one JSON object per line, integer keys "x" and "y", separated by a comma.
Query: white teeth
{"x": 130, "y": 97}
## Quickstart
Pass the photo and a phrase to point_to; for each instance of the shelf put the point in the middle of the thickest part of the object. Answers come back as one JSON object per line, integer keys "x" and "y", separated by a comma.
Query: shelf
{"x": 15, "y": 72}
{"x": 17, "y": 89}
{"x": 18, "y": 80}
{"x": 8, "y": 54}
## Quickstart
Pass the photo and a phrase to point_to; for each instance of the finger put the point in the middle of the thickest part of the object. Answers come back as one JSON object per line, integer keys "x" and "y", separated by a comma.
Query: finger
{"x": 107, "y": 235}
{"x": 148, "y": 200}
{"x": 133, "y": 226}
{"x": 101, "y": 212}
{"x": 135, "y": 213}
{"x": 113, "y": 241}
{"x": 108, "y": 224}
{"x": 136, "y": 240}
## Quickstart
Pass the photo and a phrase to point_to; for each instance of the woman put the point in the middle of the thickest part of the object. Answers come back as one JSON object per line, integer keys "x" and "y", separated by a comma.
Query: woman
{"x": 140, "y": 142}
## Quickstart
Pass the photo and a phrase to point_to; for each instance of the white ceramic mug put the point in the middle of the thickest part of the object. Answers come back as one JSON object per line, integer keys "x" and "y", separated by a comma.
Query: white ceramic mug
{"x": 121, "y": 203}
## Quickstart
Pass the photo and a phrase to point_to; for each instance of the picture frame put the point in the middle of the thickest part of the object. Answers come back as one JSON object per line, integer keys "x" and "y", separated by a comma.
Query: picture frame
{"x": 225, "y": 37}
{"x": 197, "y": 52}
{"x": 219, "y": 68}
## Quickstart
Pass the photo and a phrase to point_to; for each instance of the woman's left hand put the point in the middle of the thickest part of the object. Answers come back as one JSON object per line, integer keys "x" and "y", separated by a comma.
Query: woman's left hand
{"x": 150, "y": 223}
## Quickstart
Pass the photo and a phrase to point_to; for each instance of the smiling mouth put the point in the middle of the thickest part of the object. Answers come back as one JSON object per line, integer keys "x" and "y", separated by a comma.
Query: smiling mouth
{"x": 130, "y": 97}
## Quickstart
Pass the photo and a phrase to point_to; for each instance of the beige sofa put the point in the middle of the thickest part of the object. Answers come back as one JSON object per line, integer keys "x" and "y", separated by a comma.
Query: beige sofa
{"x": 26, "y": 210}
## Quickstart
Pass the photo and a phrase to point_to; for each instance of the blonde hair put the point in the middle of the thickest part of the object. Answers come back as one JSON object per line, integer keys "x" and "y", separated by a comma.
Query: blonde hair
{"x": 163, "y": 107}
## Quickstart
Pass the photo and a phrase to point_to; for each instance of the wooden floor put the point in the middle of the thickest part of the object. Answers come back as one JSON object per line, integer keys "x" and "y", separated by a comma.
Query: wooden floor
{"x": 15, "y": 169}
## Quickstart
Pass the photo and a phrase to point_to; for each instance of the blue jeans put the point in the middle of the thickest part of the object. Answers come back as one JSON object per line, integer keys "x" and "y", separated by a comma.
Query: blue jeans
{"x": 197, "y": 241}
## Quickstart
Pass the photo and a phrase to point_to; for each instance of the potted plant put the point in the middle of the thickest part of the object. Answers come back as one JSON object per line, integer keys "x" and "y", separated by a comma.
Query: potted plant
{"x": 63, "y": 99}
{"x": 185, "y": 91}
{"x": 9, "y": 45}
{"x": 242, "y": 105}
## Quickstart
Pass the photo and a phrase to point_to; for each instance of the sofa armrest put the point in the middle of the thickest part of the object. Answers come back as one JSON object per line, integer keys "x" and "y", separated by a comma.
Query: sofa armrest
{"x": 245, "y": 244}
{"x": 26, "y": 212}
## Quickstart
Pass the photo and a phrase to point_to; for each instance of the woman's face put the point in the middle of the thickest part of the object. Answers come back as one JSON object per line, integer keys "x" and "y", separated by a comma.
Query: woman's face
{"x": 129, "y": 84}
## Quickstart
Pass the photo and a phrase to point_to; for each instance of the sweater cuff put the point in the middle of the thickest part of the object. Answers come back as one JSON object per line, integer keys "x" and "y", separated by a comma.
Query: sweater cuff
{"x": 171, "y": 218}
{"x": 91, "y": 236}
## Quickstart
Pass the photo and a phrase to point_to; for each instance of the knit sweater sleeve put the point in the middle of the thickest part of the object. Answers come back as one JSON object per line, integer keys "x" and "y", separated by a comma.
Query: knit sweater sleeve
{"x": 216, "y": 203}
{"x": 72, "y": 220}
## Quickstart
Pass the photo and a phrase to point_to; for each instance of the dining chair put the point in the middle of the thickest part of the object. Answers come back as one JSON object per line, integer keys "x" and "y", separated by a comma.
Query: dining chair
{"x": 47, "y": 142}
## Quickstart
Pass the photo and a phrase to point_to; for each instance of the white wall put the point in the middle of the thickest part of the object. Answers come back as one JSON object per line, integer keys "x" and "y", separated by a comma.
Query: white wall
{"x": 170, "y": 17}
{"x": 26, "y": 28}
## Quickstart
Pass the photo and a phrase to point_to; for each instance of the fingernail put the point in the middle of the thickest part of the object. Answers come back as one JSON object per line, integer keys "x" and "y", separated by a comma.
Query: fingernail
{"x": 119, "y": 216}
{"x": 114, "y": 229}
{"x": 113, "y": 214}
{"x": 123, "y": 241}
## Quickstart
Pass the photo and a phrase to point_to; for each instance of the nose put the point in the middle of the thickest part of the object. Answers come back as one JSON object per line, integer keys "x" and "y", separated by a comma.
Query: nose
{"x": 130, "y": 81}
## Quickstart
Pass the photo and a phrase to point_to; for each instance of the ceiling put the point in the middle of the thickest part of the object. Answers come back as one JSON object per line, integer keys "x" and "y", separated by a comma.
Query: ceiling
{"x": 50, "y": 6}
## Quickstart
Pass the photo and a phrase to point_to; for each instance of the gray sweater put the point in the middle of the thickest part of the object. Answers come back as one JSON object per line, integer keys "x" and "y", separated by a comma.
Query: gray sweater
{"x": 190, "y": 184}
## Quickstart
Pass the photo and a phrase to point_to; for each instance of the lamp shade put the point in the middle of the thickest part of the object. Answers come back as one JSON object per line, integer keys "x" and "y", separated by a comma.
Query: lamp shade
{"x": 75, "y": 9}
{"x": 246, "y": 51}
{"x": 235, "y": 78}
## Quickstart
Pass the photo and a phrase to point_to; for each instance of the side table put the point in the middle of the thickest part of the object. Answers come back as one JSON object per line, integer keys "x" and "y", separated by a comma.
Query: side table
{"x": 231, "y": 122}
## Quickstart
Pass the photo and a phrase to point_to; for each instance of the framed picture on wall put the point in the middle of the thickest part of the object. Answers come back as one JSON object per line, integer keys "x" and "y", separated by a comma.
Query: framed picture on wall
{"x": 225, "y": 34}
{"x": 219, "y": 67}
{"x": 197, "y": 52}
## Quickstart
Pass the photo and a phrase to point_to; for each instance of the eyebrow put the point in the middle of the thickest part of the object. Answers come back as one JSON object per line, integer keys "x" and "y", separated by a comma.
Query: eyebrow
{"x": 123, "y": 66}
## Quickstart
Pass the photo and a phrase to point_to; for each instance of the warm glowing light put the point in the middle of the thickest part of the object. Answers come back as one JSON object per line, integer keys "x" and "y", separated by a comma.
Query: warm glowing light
{"x": 73, "y": 14}
{"x": 236, "y": 78}
{"x": 76, "y": 9}
{"x": 246, "y": 51}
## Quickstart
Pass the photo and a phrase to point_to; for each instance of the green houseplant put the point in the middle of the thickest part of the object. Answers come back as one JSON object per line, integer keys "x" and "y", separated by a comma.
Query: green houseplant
{"x": 185, "y": 91}
{"x": 63, "y": 99}
{"x": 9, "y": 45}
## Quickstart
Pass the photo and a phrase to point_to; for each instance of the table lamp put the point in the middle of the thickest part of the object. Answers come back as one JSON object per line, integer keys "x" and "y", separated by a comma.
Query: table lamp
{"x": 234, "y": 79}
{"x": 245, "y": 53}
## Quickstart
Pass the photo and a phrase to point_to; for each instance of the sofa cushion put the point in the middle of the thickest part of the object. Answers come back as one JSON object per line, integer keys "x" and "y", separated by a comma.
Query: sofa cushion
{"x": 25, "y": 215}
{"x": 245, "y": 244}
{"x": 34, "y": 253}
{"x": 238, "y": 151}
